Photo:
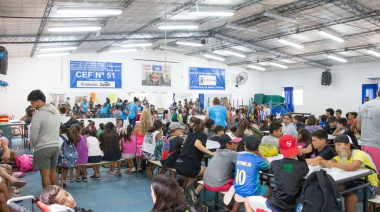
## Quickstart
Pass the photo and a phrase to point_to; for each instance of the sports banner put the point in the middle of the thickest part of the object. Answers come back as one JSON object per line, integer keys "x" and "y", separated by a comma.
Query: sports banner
{"x": 89, "y": 74}
{"x": 207, "y": 79}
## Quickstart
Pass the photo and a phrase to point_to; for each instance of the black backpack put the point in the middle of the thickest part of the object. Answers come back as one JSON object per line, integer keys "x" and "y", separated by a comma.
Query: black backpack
{"x": 320, "y": 193}
{"x": 70, "y": 122}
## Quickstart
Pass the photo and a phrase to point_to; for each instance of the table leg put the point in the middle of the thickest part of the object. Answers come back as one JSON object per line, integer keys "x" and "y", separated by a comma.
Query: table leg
{"x": 365, "y": 201}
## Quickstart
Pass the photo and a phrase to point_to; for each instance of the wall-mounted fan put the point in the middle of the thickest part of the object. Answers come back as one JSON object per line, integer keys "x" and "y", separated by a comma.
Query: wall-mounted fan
{"x": 241, "y": 78}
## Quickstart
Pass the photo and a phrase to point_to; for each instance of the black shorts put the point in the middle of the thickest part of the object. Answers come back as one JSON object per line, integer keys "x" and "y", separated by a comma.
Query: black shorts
{"x": 94, "y": 159}
{"x": 187, "y": 172}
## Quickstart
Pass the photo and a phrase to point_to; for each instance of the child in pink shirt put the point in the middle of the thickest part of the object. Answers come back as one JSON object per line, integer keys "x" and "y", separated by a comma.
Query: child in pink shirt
{"x": 128, "y": 146}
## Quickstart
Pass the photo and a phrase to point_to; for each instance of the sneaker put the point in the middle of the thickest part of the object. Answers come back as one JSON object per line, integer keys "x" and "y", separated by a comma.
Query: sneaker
{"x": 17, "y": 183}
{"x": 194, "y": 194}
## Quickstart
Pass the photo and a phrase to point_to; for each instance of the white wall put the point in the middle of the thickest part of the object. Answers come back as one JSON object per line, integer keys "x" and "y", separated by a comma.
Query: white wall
{"x": 51, "y": 75}
{"x": 345, "y": 91}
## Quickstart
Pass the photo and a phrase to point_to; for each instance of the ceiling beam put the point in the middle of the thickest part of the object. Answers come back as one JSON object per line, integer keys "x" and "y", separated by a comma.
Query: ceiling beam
{"x": 156, "y": 21}
{"x": 276, "y": 53}
{"x": 49, "y": 5}
{"x": 358, "y": 9}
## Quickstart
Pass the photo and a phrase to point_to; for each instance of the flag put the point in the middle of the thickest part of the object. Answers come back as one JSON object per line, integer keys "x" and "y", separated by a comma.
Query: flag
{"x": 173, "y": 99}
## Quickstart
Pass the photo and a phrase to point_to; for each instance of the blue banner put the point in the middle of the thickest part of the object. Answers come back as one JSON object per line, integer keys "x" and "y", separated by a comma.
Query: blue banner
{"x": 88, "y": 74}
{"x": 207, "y": 79}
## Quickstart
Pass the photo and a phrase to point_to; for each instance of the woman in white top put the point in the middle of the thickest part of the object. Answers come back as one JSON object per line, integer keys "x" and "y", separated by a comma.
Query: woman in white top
{"x": 95, "y": 154}
{"x": 150, "y": 140}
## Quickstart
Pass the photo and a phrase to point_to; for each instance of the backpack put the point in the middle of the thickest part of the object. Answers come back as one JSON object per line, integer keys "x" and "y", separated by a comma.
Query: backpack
{"x": 68, "y": 155}
{"x": 320, "y": 193}
{"x": 24, "y": 163}
{"x": 70, "y": 122}
{"x": 161, "y": 152}
{"x": 374, "y": 170}
{"x": 257, "y": 133}
{"x": 268, "y": 150}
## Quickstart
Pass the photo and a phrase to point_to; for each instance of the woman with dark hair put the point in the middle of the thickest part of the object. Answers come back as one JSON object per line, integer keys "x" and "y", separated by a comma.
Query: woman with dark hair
{"x": 166, "y": 116}
{"x": 29, "y": 114}
{"x": 149, "y": 144}
{"x": 109, "y": 144}
{"x": 188, "y": 163}
{"x": 106, "y": 109}
{"x": 167, "y": 195}
{"x": 242, "y": 132}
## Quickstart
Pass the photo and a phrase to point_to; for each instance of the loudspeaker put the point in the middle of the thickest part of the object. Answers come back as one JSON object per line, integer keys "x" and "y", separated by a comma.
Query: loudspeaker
{"x": 3, "y": 60}
{"x": 326, "y": 78}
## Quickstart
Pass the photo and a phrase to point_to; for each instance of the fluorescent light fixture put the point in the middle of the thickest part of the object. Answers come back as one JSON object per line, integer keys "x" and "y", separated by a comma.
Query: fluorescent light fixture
{"x": 278, "y": 65}
{"x": 122, "y": 50}
{"x": 280, "y": 17}
{"x": 52, "y": 55}
{"x": 230, "y": 26}
{"x": 51, "y": 49}
{"x": 74, "y": 28}
{"x": 333, "y": 37}
{"x": 377, "y": 54}
{"x": 234, "y": 53}
{"x": 80, "y": 11}
{"x": 188, "y": 43}
{"x": 290, "y": 43}
{"x": 214, "y": 57}
{"x": 170, "y": 48}
{"x": 337, "y": 58}
{"x": 256, "y": 67}
{"x": 155, "y": 60}
{"x": 136, "y": 45}
{"x": 211, "y": 13}
{"x": 173, "y": 27}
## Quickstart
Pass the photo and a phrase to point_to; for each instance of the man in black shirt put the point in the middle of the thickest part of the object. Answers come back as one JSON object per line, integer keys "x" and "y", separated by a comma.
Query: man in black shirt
{"x": 321, "y": 150}
{"x": 288, "y": 173}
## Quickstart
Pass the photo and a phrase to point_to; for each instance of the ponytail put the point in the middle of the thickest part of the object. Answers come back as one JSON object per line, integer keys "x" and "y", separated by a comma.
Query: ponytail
{"x": 156, "y": 125}
{"x": 73, "y": 134}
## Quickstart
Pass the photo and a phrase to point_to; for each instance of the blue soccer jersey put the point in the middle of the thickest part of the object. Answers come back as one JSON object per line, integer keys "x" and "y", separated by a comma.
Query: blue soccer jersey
{"x": 247, "y": 174}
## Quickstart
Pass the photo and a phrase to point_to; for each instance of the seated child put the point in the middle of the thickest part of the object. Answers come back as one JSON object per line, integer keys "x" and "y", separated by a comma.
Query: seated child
{"x": 288, "y": 173}
{"x": 297, "y": 120}
{"x": 311, "y": 124}
{"x": 342, "y": 123}
{"x": 331, "y": 125}
{"x": 323, "y": 121}
{"x": 210, "y": 125}
{"x": 275, "y": 132}
{"x": 218, "y": 131}
{"x": 175, "y": 144}
{"x": 321, "y": 150}
{"x": 304, "y": 141}
{"x": 55, "y": 195}
{"x": 95, "y": 155}
{"x": 247, "y": 168}
{"x": 128, "y": 146}
{"x": 263, "y": 126}
{"x": 356, "y": 159}
{"x": 217, "y": 177}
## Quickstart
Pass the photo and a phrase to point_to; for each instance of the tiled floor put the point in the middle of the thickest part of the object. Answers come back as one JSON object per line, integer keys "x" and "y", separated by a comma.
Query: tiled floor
{"x": 110, "y": 194}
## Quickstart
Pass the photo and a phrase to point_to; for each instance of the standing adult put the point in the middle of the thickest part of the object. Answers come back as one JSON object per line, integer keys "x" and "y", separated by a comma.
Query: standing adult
{"x": 124, "y": 109}
{"x": 106, "y": 108}
{"x": 197, "y": 106}
{"x": 132, "y": 112}
{"x": 139, "y": 106}
{"x": 67, "y": 102}
{"x": 368, "y": 122}
{"x": 226, "y": 104}
{"x": 84, "y": 106}
{"x": 145, "y": 102}
{"x": 44, "y": 131}
{"x": 218, "y": 113}
{"x": 91, "y": 104}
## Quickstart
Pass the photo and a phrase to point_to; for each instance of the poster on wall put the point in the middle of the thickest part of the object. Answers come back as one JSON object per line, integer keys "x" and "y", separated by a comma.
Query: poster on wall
{"x": 207, "y": 78}
{"x": 89, "y": 74}
{"x": 156, "y": 75}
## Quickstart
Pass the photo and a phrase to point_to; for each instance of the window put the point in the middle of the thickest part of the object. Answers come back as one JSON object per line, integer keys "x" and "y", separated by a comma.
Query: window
{"x": 57, "y": 99}
{"x": 297, "y": 96}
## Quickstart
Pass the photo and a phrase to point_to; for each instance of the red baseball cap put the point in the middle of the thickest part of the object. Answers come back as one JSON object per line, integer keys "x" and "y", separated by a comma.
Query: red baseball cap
{"x": 288, "y": 146}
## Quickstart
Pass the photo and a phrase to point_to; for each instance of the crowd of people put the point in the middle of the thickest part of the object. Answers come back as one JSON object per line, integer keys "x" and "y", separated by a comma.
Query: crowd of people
{"x": 302, "y": 141}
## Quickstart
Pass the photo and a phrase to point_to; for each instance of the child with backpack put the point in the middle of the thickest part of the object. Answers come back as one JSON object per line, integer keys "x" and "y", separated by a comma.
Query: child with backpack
{"x": 128, "y": 146}
{"x": 68, "y": 154}
{"x": 288, "y": 173}
{"x": 169, "y": 151}
{"x": 80, "y": 143}
{"x": 356, "y": 159}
